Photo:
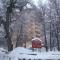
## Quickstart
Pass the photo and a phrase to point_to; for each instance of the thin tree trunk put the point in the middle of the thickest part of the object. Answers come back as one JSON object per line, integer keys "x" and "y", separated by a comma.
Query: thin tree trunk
{"x": 57, "y": 40}
{"x": 50, "y": 38}
{"x": 45, "y": 39}
{"x": 20, "y": 36}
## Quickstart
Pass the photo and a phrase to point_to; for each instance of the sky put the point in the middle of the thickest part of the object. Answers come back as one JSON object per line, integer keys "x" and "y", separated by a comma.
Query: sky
{"x": 43, "y": 2}
{"x": 35, "y": 2}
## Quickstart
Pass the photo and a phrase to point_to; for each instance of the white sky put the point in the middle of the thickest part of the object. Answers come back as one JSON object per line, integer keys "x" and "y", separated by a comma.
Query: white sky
{"x": 35, "y": 2}
{"x": 43, "y": 2}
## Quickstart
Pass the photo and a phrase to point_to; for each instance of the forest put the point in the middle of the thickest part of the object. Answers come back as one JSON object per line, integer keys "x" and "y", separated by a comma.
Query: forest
{"x": 22, "y": 20}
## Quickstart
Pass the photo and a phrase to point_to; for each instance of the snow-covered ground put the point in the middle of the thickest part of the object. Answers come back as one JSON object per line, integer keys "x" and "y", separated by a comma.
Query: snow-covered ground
{"x": 3, "y": 54}
{"x": 24, "y": 53}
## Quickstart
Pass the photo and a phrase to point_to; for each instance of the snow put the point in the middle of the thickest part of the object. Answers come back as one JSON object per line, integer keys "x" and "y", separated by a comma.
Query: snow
{"x": 21, "y": 50}
{"x": 36, "y": 39}
{"x": 24, "y": 53}
{"x": 3, "y": 55}
{"x": 2, "y": 50}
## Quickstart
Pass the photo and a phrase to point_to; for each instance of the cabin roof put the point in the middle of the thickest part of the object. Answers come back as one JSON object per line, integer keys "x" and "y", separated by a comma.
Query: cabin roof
{"x": 36, "y": 39}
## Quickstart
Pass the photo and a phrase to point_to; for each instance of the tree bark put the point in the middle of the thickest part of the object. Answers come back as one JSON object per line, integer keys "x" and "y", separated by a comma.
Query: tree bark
{"x": 45, "y": 39}
{"x": 7, "y": 23}
{"x": 50, "y": 38}
{"x": 57, "y": 40}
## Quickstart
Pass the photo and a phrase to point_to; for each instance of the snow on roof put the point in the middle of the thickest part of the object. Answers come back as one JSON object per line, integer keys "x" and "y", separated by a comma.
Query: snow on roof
{"x": 36, "y": 39}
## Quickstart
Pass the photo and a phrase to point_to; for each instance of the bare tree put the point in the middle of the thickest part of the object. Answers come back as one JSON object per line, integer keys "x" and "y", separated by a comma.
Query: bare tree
{"x": 9, "y": 10}
{"x": 56, "y": 4}
{"x": 43, "y": 15}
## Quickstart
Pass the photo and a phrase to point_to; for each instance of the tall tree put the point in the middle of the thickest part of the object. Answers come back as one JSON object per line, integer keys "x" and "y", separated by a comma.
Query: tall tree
{"x": 9, "y": 9}
{"x": 7, "y": 23}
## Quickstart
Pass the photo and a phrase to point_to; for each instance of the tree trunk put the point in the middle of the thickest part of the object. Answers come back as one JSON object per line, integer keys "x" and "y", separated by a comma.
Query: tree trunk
{"x": 50, "y": 38}
{"x": 57, "y": 40}
{"x": 45, "y": 38}
{"x": 19, "y": 38}
{"x": 7, "y": 23}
